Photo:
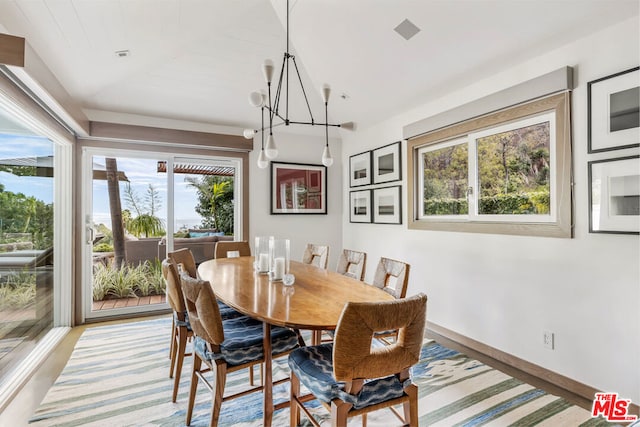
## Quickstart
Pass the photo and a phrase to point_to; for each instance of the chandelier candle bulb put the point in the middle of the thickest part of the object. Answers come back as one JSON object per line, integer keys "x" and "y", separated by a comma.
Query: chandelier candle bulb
{"x": 326, "y": 91}
{"x": 263, "y": 162}
{"x": 271, "y": 150}
{"x": 267, "y": 70}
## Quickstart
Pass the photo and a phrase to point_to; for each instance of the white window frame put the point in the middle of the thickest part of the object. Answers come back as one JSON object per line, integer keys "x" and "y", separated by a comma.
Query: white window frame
{"x": 436, "y": 147}
{"x": 474, "y": 178}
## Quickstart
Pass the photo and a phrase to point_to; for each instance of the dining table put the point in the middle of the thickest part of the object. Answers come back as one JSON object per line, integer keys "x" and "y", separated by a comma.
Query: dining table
{"x": 314, "y": 302}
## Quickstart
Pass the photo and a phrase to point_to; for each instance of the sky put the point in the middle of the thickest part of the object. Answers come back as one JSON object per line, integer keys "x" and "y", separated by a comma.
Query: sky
{"x": 22, "y": 146}
{"x": 140, "y": 171}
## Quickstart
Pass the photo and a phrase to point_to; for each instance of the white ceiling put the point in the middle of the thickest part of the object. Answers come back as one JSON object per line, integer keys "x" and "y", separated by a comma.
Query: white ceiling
{"x": 197, "y": 60}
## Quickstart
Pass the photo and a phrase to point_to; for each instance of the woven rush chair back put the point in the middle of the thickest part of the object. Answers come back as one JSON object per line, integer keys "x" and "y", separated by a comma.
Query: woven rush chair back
{"x": 183, "y": 257}
{"x": 392, "y": 277}
{"x": 204, "y": 314}
{"x": 317, "y": 255}
{"x": 223, "y": 249}
{"x": 353, "y": 357}
{"x": 352, "y": 264}
{"x": 174, "y": 290}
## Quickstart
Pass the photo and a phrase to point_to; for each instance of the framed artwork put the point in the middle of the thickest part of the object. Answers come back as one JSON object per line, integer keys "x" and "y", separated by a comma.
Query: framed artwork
{"x": 360, "y": 206}
{"x": 360, "y": 169}
{"x": 613, "y": 104}
{"x": 614, "y": 195}
{"x": 298, "y": 188}
{"x": 386, "y": 163}
{"x": 387, "y": 205}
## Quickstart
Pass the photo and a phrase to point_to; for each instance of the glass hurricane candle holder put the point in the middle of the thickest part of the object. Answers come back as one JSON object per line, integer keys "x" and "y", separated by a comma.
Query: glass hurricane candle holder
{"x": 261, "y": 252}
{"x": 279, "y": 254}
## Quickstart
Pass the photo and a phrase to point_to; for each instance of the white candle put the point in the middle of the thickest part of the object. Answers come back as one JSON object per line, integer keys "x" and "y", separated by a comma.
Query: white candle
{"x": 278, "y": 271}
{"x": 263, "y": 263}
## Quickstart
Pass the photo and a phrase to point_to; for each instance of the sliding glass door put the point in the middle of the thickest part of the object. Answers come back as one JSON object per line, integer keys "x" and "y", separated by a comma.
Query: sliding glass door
{"x": 138, "y": 207}
{"x": 26, "y": 241}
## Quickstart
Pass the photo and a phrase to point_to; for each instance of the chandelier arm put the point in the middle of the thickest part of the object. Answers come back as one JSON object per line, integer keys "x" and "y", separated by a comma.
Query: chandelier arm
{"x": 275, "y": 125}
{"x": 326, "y": 120}
{"x": 302, "y": 87}
{"x": 262, "y": 129}
{"x": 276, "y": 104}
{"x": 286, "y": 57}
{"x": 271, "y": 114}
{"x": 314, "y": 123}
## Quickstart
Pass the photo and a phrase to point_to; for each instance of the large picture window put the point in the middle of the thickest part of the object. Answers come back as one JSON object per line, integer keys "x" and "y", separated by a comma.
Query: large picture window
{"x": 506, "y": 173}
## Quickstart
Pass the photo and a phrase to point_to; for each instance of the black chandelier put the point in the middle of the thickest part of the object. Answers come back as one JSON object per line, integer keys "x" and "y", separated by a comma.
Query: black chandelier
{"x": 273, "y": 108}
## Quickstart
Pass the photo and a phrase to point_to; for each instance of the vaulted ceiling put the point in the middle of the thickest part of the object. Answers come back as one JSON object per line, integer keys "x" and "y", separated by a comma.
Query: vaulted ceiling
{"x": 197, "y": 60}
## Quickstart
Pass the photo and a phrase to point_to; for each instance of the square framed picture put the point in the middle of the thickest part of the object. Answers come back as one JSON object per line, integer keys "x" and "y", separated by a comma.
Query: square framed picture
{"x": 298, "y": 188}
{"x": 386, "y": 163}
{"x": 360, "y": 206}
{"x": 614, "y": 195}
{"x": 613, "y": 104}
{"x": 387, "y": 205}
{"x": 360, "y": 169}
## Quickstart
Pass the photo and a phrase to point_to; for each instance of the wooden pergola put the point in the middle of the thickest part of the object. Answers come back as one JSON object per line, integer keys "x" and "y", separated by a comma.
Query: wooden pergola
{"x": 192, "y": 169}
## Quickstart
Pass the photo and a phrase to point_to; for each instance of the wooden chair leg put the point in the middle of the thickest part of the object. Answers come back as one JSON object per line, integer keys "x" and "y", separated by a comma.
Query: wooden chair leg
{"x": 172, "y": 352}
{"x": 252, "y": 374}
{"x": 411, "y": 407}
{"x": 294, "y": 411}
{"x": 364, "y": 420}
{"x": 179, "y": 359}
{"x": 316, "y": 337}
{"x": 339, "y": 411}
{"x": 173, "y": 337}
{"x": 218, "y": 391}
{"x": 197, "y": 363}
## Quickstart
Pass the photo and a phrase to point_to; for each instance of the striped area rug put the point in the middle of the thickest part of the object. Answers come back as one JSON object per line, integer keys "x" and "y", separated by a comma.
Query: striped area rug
{"x": 118, "y": 376}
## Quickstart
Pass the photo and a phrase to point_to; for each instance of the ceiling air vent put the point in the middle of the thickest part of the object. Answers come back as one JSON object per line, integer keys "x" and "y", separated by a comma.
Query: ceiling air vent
{"x": 407, "y": 29}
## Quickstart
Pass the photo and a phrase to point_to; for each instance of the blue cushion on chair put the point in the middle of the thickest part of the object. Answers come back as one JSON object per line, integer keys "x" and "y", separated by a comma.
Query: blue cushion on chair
{"x": 227, "y": 312}
{"x": 184, "y": 322}
{"x": 314, "y": 367}
{"x": 243, "y": 338}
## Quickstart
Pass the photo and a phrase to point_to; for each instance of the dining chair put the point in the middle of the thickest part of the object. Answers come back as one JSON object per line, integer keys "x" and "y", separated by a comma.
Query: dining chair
{"x": 229, "y": 249}
{"x": 352, "y": 264}
{"x": 317, "y": 255}
{"x": 234, "y": 249}
{"x": 351, "y": 378}
{"x": 391, "y": 276}
{"x": 185, "y": 259}
{"x": 225, "y": 346}
{"x": 181, "y": 331}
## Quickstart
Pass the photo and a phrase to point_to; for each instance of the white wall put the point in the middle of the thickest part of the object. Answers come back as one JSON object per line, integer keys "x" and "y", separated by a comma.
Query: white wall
{"x": 505, "y": 290}
{"x": 300, "y": 229}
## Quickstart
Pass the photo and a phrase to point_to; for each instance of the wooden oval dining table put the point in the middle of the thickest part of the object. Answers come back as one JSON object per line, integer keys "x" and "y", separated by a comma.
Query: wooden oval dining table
{"x": 314, "y": 302}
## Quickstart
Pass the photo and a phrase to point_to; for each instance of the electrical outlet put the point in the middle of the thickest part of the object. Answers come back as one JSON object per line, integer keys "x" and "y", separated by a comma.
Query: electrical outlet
{"x": 547, "y": 339}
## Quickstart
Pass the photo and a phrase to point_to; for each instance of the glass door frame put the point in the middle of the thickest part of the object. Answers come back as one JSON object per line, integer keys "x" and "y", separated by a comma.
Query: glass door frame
{"x": 23, "y": 110}
{"x": 87, "y": 155}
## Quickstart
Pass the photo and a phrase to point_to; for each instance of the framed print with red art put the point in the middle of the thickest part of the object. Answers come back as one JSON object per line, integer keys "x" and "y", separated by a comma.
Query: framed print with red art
{"x": 298, "y": 188}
